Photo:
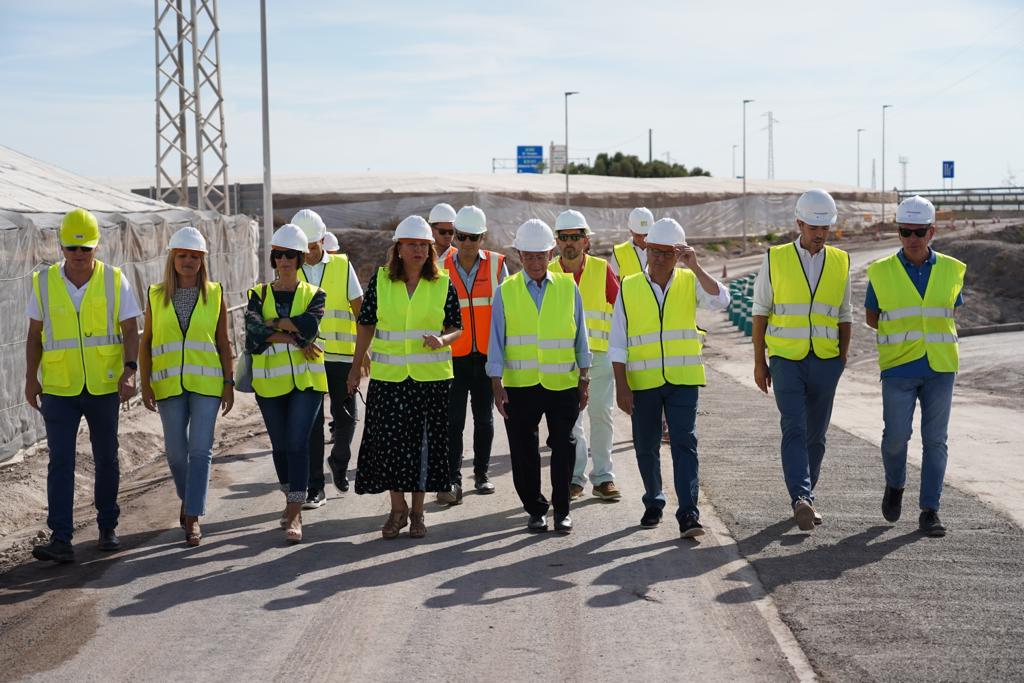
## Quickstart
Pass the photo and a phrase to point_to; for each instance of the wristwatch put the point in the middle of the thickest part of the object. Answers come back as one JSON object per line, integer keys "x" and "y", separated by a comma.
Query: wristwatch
{"x": 585, "y": 380}
{"x": 229, "y": 382}
{"x": 132, "y": 365}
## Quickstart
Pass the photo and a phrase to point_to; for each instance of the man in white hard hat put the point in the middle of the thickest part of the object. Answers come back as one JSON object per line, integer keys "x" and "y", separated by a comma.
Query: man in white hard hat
{"x": 599, "y": 289}
{"x": 476, "y": 274}
{"x": 337, "y": 277}
{"x": 802, "y": 315}
{"x": 538, "y": 360}
{"x": 442, "y": 224}
{"x": 331, "y": 245}
{"x": 631, "y": 256}
{"x": 655, "y": 349}
{"x": 83, "y": 344}
{"x": 911, "y": 300}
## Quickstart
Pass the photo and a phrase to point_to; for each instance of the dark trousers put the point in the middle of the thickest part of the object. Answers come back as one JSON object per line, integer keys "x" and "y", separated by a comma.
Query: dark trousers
{"x": 62, "y": 415}
{"x": 470, "y": 381}
{"x": 526, "y": 406}
{"x": 344, "y": 415}
{"x": 679, "y": 405}
{"x": 289, "y": 419}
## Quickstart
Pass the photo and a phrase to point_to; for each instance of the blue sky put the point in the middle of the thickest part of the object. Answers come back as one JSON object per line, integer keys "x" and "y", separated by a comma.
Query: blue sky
{"x": 446, "y": 86}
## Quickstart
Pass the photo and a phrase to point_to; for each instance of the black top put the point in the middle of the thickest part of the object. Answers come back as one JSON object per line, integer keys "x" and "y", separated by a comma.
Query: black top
{"x": 308, "y": 322}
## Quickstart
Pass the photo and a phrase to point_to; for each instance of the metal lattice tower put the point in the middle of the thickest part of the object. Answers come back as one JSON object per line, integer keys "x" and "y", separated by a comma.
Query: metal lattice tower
{"x": 188, "y": 89}
{"x": 771, "y": 144}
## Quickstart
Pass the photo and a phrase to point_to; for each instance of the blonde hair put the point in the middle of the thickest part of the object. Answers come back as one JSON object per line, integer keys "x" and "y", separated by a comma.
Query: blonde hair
{"x": 170, "y": 283}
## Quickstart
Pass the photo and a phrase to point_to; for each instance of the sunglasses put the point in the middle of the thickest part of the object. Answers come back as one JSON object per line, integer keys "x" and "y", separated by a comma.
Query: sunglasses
{"x": 287, "y": 253}
{"x": 462, "y": 237}
{"x": 907, "y": 232}
{"x": 571, "y": 238}
{"x": 442, "y": 231}
{"x": 76, "y": 247}
{"x": 651, "y": 251}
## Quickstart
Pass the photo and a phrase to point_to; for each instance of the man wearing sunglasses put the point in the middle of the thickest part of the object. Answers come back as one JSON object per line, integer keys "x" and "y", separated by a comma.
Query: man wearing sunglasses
{"x": 83, "y": 342}
{"x": 911, "y": 300}
{"x": 802, "y": 315}
{"x": 599, "y": 288}
{"x": 442, "y": 224}
{"x": 476, "y": 274}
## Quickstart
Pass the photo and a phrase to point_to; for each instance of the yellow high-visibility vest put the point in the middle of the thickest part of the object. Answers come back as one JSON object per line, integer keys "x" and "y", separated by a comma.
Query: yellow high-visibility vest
{"x": 397, "y": 351}
{"x": 540, "y": 346}
{"x": 596, "y": 309}
{"x": 800, "y": 321}
{"x": 911, "y": 326}
{"x": 283, "y": 367}
{"x": 338, "y": 327}
{"x": 663, "y": 343}
{"x": 82, "y": 350}
{"x": 189, "y": 361}
{"x": 629, "y": 262}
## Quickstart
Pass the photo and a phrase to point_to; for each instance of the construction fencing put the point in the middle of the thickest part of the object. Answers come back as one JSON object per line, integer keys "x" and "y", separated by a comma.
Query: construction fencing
{"x": 134, "y": 242}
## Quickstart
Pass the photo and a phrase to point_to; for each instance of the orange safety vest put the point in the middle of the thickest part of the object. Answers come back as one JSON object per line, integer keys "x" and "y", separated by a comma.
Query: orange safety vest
{"x": 475, "y": 305}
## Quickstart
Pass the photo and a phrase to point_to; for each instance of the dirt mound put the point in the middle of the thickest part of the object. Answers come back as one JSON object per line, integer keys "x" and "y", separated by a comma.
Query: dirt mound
{"x": 367, "y": 249}
{"x": 993, "y": 287}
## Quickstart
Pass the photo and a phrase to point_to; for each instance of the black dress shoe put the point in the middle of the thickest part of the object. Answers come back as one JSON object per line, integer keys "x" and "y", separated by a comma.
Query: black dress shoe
{"x": 892, "y": 504}
{"x": 563, "y": 524}
{"x": 651, "y": 518}
{"x": 483, "y": 485}
{"x": 338, "y": 475}
{"x": 537, "y": 523}
{"x": 315, "y": 498}
{"x": 108, "y": 540}
{"x": 930, "y": 524}
{"x": 54, "y": 551}
{"x": 690, "y": 527}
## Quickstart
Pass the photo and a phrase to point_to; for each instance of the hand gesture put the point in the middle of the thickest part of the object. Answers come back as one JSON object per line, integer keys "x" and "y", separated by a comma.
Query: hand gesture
{"x": 687, "y": 255}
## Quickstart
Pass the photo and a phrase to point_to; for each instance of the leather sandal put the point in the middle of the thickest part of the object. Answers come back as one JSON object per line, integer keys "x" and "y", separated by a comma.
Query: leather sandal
{"x": 293, "y": 523}
{"x": 395, "y": 523}
{"x": 193, "y": 534}
{"x": 417, "y": 529}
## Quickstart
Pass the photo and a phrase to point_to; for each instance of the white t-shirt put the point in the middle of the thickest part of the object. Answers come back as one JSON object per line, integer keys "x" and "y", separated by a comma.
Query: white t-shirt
{"x": 813, "y": 264}
{"x": 129, "y": 305}
{"x": 641, "y": 254}
{"x": 315, "y": 275}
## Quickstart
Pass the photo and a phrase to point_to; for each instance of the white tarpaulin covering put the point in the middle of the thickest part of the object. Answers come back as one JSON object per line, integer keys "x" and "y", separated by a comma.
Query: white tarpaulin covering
{"x": 133, "y": 236}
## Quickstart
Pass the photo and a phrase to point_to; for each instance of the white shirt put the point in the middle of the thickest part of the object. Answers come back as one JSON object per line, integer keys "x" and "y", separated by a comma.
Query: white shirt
{"x": 641, "y": 254}
{"x": 442, "y": 257}
{"x": 617, "y": 339}
{"x": 812, "y": 265}
{"x": 129, "y": 305}
{"x": 315, "y": 275}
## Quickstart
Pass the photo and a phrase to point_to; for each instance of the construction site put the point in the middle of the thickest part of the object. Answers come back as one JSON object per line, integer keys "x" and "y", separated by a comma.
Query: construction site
{"x": 756, "y": 599}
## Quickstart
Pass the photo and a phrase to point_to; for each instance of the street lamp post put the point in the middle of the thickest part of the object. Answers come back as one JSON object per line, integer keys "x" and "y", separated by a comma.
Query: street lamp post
{"x": 884, "y": 107}
{"x": 745, "y": 103}
{"x": 268, "y": 197}
{"x": 734, "y": 160}
{"x": 859, "y": 131}
{"x": 567, "y": 93}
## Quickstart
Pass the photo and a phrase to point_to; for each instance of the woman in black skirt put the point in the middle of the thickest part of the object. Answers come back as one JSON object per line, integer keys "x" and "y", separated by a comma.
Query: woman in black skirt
{"x": 411, "y": 315}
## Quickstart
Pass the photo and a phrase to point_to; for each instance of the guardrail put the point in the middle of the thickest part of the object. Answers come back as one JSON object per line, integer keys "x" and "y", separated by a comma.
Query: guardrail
{"x": 972, "y": 199}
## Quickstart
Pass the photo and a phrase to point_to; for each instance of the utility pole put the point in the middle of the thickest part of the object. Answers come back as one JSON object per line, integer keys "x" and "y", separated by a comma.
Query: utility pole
{"x": 745, "y": 103}
{"x": 567, "y": 93}
{"x": 873, "y": 186}
{"x": 903, "y": 162}
{"x": 734, "y": 161}
{"x": 650, "y": 145}
{"x": 771, "y": 144}
{"x": 859, "y": 131}
{"x": 884, "y": 107}
{"x": 268, "y": 196}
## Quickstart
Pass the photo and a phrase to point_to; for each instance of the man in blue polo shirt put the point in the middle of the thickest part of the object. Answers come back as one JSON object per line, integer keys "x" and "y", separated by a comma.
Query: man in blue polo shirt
{"x": 911, "y": 300}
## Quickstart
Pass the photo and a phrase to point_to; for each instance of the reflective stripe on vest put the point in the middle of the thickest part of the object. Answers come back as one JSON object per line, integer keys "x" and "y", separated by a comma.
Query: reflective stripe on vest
{"x": 662, "y": 342}
{"x": 338, "y": 326}
{"x": 596, "y": 309}
{"x": 540, "y": 346}
{"x": 284, "y": 367}
{"x": 911, "y": 326}
{"x": 185, "y": 362}
{"x": 81, "y": 349}
{"x": 626, "y": 258}
{"x": 397, "y": 350}
{"x": 801, "y": 320}
{"x": 475, "y": 304}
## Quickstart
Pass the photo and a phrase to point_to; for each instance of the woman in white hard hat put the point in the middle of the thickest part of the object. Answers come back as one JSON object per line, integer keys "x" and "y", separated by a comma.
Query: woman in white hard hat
{"x": 281, "y": 324}
{"x": 411, "y": 314}
{"x": 186, "y": 369}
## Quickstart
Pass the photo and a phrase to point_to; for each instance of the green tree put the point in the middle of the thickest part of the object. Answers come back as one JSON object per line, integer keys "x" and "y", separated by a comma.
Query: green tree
{"x": 630, "y": 166}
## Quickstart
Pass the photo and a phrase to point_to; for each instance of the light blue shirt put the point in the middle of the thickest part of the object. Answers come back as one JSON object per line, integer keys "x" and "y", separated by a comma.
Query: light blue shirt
{"x": 469, "y": 278}
{"x": 496, "y": 347}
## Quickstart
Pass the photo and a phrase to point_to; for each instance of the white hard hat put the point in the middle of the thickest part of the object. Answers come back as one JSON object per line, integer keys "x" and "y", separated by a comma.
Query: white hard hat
{"x": 413, "y": 228}
{"x": 331, "y": 242}
{"x": 640, "y": 220}
{"x": 666, "y": 232}
{"x": 290, "y": 236}
{"x": 188, "y": 238}
{"x": 534, "y": 235}
{"x": 915, "y": 210}
{"x": 571, "y": 219}
{"x": 442, "y": 213}
{"x": 816, "y": 207}
{"x": 311, "y": 224}
{"x": 471, "y": 220}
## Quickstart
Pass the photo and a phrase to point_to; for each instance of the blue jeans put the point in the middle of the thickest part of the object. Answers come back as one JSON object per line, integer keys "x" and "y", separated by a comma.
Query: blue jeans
{"x": 289, "y": 420}
{"x": 804, "y": 390}
{"x": 188, "y": 421}
{"x": 679, "y": 404}
{"x": 899, "y": 398}
{"x": 62, "y": 415}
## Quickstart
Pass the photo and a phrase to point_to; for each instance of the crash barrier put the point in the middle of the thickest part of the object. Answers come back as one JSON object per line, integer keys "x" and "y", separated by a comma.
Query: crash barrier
{"x": 741, "y": 294}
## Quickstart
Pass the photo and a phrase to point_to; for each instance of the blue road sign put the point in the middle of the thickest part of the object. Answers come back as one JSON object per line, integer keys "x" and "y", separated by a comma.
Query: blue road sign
{"x": 529, "y": 158}
{"x": 947, "y": 169}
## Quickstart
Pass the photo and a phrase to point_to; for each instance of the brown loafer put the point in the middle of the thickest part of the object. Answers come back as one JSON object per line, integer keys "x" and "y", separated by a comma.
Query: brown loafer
{"x": 417, "y": 529}
{"x": 575, "y": 491}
